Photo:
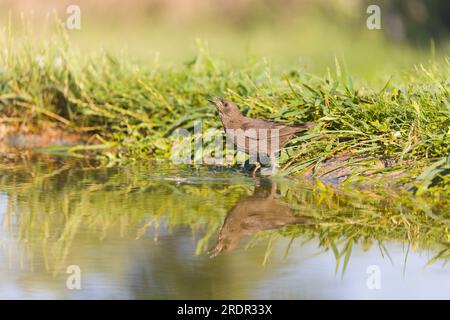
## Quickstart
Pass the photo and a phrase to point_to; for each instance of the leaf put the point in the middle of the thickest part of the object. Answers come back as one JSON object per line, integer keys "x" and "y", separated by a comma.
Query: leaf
{"x": 348, "y": 252}
{"x": 336, "y": 255}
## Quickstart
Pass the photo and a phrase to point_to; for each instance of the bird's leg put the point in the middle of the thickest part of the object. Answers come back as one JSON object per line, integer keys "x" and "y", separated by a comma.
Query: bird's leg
{"x": 257, "y": 166}
{"x": 274, "y": 164}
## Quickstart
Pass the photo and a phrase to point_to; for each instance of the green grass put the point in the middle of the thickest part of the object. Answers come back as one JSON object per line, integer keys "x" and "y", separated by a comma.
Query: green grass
{"x": 306, "y": 41}
{"x": 132, "y": 108}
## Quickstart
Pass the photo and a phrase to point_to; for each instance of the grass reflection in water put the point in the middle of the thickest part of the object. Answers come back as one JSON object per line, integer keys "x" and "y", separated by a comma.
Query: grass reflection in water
{"x": 49, "y": 207}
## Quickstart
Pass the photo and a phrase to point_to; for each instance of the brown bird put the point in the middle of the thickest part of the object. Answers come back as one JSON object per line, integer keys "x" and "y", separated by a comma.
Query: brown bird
{"x": 261, "y": 211}
{"x": 261, "y": 139}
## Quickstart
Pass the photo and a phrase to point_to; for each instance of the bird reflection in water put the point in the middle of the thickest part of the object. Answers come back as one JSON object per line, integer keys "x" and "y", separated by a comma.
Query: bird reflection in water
{"x": 260, "y": 211}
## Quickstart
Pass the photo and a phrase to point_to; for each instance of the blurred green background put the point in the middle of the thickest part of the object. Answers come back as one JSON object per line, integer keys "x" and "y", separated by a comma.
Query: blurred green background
{"x": 306, "y": 35}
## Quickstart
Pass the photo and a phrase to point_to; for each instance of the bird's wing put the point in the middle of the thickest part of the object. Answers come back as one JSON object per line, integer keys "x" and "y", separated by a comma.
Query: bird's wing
{"x": 283, "y": 129}
{"x": 249, "y": 123}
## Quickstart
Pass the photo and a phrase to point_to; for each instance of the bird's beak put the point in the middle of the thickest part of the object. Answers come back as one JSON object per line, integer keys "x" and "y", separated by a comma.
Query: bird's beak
{"x": 215, "y": 101}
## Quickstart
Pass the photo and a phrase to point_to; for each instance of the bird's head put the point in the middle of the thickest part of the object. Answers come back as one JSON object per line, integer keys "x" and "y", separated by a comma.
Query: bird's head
{"x": 227, "y": 241}
{"x": 228, "y": 111}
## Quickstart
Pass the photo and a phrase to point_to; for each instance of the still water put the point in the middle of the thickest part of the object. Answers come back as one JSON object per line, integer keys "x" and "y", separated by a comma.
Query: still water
{"x": 160, "y": 232}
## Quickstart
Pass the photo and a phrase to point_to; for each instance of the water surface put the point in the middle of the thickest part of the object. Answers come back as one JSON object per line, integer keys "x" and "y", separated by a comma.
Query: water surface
{"x": 159, "y": 232}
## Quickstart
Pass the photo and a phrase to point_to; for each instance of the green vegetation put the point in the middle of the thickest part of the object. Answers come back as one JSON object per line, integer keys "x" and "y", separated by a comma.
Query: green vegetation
{"x": 86, "y": 128}
{"x": 131, "y": 110}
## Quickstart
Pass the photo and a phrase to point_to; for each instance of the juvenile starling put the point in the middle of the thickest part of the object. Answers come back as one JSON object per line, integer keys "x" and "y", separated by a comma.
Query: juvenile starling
{"x": 259, "y": 138}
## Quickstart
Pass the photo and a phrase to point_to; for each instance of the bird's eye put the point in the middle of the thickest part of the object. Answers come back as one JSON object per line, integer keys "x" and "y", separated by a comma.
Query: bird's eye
{"x": 225, "y": 104}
